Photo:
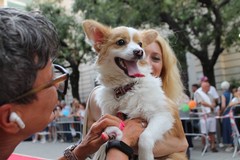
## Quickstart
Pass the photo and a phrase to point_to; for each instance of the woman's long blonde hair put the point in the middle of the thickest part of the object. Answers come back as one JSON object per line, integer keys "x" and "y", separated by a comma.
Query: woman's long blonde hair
{"x": 171, "y": 79}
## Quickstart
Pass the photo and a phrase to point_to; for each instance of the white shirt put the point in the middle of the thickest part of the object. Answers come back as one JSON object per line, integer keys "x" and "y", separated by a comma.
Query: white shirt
{"x": 235, "y": 100}
{"x": 199, "y": 96}
{"x": 212, "y": 91}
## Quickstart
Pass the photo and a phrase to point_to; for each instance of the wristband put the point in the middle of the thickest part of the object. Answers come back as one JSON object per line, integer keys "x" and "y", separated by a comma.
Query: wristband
{"x": 120, "y": 145}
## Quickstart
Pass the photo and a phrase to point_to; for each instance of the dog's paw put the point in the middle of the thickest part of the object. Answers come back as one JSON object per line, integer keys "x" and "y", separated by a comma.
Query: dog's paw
{"x": 145, "y": 151}
{"x": 114, "y": 133}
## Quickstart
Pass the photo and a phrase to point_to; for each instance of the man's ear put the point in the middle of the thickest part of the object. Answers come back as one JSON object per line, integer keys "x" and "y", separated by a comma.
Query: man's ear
{"x": 96, "y": 33}
{"x": 5, "y": 124}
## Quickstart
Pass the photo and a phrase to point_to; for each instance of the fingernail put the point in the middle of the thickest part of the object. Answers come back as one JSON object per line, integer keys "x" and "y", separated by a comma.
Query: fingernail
{"x": 121, "y": 125}
{"x": 104, "y": 136}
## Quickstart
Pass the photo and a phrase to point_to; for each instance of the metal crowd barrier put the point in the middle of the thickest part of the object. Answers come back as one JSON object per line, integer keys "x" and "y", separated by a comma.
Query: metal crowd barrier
{"x": 69, "y": 126}
{"x": 233, "y": 117}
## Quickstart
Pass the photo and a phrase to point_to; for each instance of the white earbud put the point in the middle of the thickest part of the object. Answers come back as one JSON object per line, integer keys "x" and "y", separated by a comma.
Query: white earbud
{"x": 15, "y": 118}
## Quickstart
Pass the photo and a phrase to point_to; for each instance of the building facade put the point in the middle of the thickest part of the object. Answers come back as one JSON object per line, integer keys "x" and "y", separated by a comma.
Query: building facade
{"x": 20, "y": 4}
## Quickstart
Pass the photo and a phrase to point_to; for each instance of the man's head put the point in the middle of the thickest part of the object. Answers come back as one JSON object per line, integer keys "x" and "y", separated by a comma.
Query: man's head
{"x": 204, "y": 79}
{"x": 205, "y": 86}
{"x": 27, "y": 42}
{"x": 194, "y": 87}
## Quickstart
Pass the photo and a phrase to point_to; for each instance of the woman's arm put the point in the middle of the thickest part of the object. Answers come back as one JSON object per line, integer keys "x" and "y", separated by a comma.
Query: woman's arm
{"x": 170, "y": 145}
{"x": 174, "y": 141}
{"x": 223, "y": 102}
{"x": 234, "y": 102}
{"x": 223, "y": 105}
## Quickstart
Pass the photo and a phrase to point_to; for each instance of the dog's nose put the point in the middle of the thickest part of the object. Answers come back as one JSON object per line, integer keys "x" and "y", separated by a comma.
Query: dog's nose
{"x": 138, "y": 53}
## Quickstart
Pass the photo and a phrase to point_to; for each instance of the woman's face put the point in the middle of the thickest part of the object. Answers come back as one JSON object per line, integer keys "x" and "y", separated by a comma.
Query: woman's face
{"x": 238, "y": 91}
{"x": 154, "y": 58}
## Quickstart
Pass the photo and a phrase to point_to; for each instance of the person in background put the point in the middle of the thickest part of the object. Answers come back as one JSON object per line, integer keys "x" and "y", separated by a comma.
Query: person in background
{"x": 226, "y": 98}
{"x": 234, "y": 90}
{"x": 78, "y": 110}
{"x": 212, "y": 90}
{"x": 66, "y": 109}
{"x": 52, "y": 126}
{"x": 195, "y": 87}
{"x": 206, "y": 102}
{"x": 65, "y": 117}
{"x": 82, "y": 112}
{"x": 236, "y": 104}
{"x": 236, "y": 99}
{"x": 187, "y": 125}
{"x": 215, "y": 95}
{"x": 28, "y": 92}
{"x": 77, "y": 115}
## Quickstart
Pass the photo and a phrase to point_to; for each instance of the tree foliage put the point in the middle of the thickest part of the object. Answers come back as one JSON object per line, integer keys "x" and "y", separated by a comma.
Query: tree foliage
{"x": 73, "y": 49}
{"x": 198, "y": 25}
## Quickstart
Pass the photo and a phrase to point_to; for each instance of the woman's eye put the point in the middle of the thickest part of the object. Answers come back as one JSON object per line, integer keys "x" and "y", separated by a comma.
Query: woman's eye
{"x": 156, "y": 58}
{"x": 121, "y": 42}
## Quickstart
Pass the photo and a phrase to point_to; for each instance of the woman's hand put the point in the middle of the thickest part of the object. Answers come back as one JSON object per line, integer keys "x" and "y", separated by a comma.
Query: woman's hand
{"x": 132, "y": 130}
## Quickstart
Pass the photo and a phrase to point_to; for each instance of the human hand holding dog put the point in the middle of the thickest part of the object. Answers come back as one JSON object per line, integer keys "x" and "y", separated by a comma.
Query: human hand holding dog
{"x": 132, "y": 130}
{"x": 93, "y": 140}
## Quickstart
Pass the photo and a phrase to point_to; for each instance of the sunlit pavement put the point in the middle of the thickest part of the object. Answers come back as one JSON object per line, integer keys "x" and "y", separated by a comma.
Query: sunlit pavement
{"x": 50, "y": 150}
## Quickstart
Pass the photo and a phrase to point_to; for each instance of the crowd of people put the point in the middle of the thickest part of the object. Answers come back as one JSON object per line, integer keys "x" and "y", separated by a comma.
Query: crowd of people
{"x": 211, "y": 115}
{"x": 65, "y": 114}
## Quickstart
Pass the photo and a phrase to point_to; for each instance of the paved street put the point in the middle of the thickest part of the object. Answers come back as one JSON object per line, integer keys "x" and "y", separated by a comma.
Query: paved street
{"x": 54, "y": 150}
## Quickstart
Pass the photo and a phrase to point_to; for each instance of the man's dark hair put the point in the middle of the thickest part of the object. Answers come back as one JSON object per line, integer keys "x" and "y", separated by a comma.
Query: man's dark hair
{"x": 195, "y": 85}
{"x": 28, "y": 40}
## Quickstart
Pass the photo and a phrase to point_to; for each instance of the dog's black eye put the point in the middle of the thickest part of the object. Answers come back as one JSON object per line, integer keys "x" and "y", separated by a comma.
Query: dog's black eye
{"x": 140, "y": 44}
{"x": 120, "y": 42}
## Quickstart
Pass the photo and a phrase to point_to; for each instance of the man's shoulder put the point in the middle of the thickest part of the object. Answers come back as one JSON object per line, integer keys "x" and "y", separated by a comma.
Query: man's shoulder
{"x": 213, "y": 92}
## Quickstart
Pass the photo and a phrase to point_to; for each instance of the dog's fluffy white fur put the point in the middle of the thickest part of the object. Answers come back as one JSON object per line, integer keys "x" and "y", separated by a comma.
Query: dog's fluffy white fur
{"x": 146, "y": 99}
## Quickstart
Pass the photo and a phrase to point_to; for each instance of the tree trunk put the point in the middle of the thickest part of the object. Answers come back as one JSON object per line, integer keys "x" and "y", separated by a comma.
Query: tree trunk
{"x": 208, "y": 71}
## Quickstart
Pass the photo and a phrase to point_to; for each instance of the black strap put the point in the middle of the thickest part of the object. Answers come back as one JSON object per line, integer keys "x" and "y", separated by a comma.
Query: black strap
{"x": 120, "y": 145}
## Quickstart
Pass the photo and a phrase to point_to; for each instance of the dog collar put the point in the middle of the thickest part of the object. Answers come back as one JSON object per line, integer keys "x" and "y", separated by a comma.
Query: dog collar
{"x": 120, "y": 91}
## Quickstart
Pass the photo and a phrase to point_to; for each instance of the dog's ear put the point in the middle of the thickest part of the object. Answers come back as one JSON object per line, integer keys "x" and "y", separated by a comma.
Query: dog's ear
{"x": 95, "y": 32}
{"x": 148, "y": 36}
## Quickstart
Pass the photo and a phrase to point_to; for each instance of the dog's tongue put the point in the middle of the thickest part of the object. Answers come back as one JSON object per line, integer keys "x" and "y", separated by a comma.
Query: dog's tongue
{"x": 133, "y": 69}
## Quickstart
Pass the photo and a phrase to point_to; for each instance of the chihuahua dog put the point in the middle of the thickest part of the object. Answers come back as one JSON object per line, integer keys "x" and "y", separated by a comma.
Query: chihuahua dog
{"x": 127, "y": 85}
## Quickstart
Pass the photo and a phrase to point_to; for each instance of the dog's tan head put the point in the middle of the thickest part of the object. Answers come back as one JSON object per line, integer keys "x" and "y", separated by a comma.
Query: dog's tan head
{"x": 118, "y": 49}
